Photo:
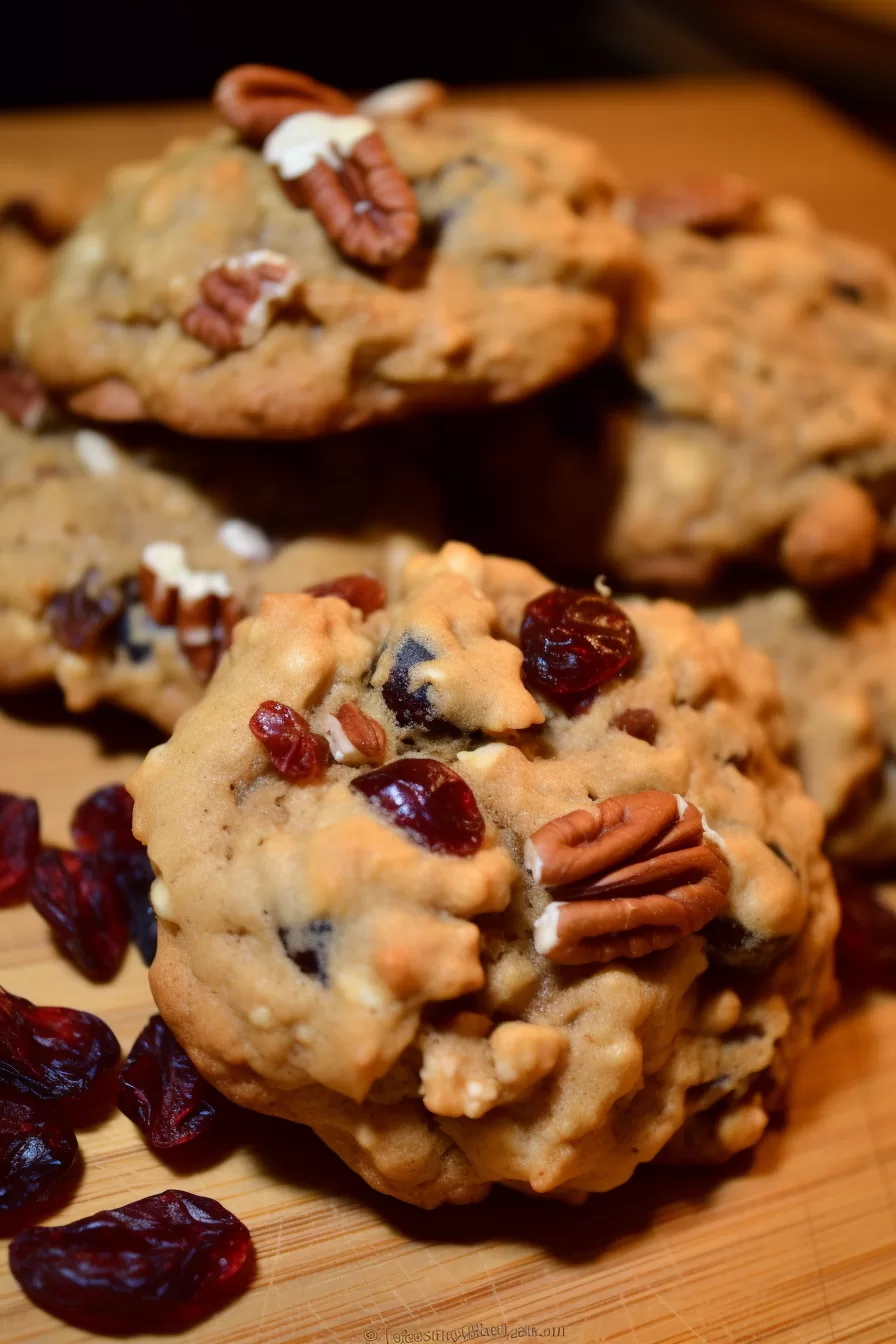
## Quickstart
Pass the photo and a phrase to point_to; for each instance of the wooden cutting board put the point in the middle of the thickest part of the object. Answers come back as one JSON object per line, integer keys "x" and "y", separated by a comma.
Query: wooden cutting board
{"x": 797, "y": 1246}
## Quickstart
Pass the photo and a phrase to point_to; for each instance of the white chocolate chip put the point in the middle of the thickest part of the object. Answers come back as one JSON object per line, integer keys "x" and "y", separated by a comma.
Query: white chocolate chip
{"x": 261, "y": 1016}
{"x": 307, "y": 138}
{"x": 244, "y": 539}
{"x": 602, "y": 587}
{"x": 483, "y": 758}
{"x": 160, "y": 899}
{"x": 545, "y": 935}
{"x": 532, "y": 860}
{"x": 96, "y": 452}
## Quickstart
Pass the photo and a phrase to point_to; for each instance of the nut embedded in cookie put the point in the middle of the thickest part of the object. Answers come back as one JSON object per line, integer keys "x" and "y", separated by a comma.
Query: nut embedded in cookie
{"x": 240, "y": 299}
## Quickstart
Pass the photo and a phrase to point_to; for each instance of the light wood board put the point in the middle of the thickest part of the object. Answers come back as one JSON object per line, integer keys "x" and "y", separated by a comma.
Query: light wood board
{"x": 796, "y": 1247}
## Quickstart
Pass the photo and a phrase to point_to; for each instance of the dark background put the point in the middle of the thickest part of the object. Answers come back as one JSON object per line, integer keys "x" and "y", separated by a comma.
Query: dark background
{"x": 55, "y": 53}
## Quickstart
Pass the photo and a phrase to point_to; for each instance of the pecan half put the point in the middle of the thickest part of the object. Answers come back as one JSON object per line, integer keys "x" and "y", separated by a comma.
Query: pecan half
{"x": 254, "y": 99}
{"x": 713, "y": 205}
{"x": 200, "y": 606}
{"x": 22, "y": 399}
{"x": 652, "y": 869}
{"x": 240, "y": 299}
{"x": 354, "y": 737}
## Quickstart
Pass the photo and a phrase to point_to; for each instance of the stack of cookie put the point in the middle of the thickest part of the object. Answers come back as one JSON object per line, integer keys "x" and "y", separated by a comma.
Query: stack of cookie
{"x": 485, "y": 879}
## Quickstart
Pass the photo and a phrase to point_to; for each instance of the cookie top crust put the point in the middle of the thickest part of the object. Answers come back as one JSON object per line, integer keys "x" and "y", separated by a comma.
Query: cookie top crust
{"x": 509, "y": 287}
{"x": 835, "y": 665}
{"x": 88, "y": 525}
{"x": 368, "y": 917}
{"x": 766, "y": 356}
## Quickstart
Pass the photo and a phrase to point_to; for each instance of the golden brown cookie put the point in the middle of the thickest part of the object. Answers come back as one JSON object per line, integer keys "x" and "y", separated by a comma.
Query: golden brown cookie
{"x": 500, "y": 883}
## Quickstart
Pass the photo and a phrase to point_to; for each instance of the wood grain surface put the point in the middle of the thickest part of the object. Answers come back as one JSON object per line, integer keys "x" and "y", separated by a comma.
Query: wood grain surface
{"x": 796, "y": 1246}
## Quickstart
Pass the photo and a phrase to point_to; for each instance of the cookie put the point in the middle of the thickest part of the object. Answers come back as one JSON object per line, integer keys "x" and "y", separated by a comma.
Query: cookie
{"x": 835, "y": 665}
{"x": 765, "y": 357}
{"x": 121, "y": 579}
{"x": 222, "y": 290}
{"x": 500, "y": 883}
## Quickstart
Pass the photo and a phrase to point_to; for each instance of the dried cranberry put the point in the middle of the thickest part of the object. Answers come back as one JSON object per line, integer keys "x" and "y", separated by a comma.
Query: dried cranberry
{"x": 358, "y": 590}
{"x": 19, "y": 845}
{"x": 51, "y": 1053}
{"x": 133, "y": 876}
{"x": 35, "y": 1152}
{"x": 640, "y": 723}
{"x": 79, "y": 898}
{"x": 158, "y": 1263}
{"x": 866, "y": 945}
{"x": 102, "y": 822}
{"x": 160, "y": 1090}
{"x": 82, "y": 616}
{"x": 412, "y": 709}
{"x": 296, "y": 753}
{"x": 429, "y": 800}
{"x": 730, "y": 943}
{"x": 573, "y": 640}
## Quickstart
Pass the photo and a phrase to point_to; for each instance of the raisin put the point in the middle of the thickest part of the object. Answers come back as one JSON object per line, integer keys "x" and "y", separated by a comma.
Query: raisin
{"x": 102, "y": 822}
{"x": 35, "y": 1153}
{"x": 81, "y": 617}
{"x": 78, "y": 897}
{"x": 159, "y": 1263}
{"x": 358, "y": 590}
{"x": 160, "y": 1090}
{"x": 866, "y": 946}
{"x": 19, "y": 845}
{"x": 427, "y": 799}
{"x": 308, "y": 946}
{"x": 412, "y": 709}
{"x": 296, "y": 753}
{"x": 640, "y": 723}
{"x": 731, "y": 943}
{"x": 573, "y": 640}
{"x": 48, "y": 1054}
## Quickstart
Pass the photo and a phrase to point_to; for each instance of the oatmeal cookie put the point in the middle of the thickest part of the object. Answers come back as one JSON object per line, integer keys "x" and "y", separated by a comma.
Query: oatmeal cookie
{"x": 835, "y": 665}
{"x": 766, "y": 358}
{"x": 217, "y": 292}
{"x": 120, "y": 577}
{"x": 501, "y": 883}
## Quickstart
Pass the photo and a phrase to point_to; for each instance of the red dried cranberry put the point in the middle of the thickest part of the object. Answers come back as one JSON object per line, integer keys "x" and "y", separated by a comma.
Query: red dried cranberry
{"x": 35, "y": 1152}
{"x": 573, "y": 640}
{"x": 358, "y": 590}
{"x": 158, "y": 1263}
{"x": 866, "y": 945}
{"x": 51, "y": 1053}
{"x": 640, "y": 723}
{"x": 19, "y": 845}
{"x": 79, "y": 898}
{"x": 161, "y": 1091}
{"x": 296, "y": 753}
{"x": 102, "y": 822}
{"x": 429, "y": 800}
{"x": 81, "y": 617}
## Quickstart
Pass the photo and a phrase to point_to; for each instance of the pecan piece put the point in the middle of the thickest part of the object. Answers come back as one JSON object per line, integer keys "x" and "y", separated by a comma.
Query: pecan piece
{"x": 22, "y": 399}
{"x": 713, "y": 205}
{"x": 354, "y": 737}
{"x": 254, "y": 99}
{"x": 200, "y": 606}
{"x": 239, "y": 300}
{"x": 652, "y": 869}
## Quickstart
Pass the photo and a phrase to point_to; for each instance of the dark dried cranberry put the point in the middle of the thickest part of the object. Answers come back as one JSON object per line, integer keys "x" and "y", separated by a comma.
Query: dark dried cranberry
{"x": 133, "y": 875}
{"x": 35, "y": 1152}
{"x": 296, "y": 753}
{"x": 412, "y": 709}
{"x": 103, "y": 820}
{"x": 81, "y": 617}
{"x": 308, "y": 947}
{"x": 161, "y": 1091}
{"x": 358, "y": 590}
{"x": 730, "y": 943}
{"x": 158, "y": 1263}
{"x": 79, "y": 898}
{"x": 19, "y": 845}
{"x": 429, "y": 800}
{"x": 51, "y": 1053}
{"x": 573, "y": 640}
{"x": 866, "y": 945}
{"x": 640, "y": 723}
